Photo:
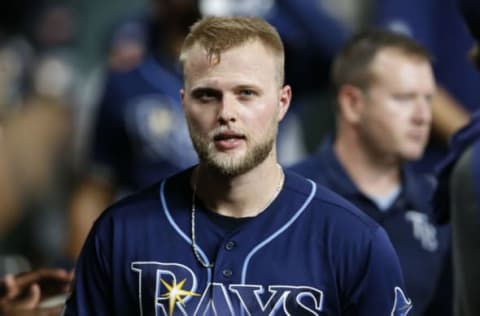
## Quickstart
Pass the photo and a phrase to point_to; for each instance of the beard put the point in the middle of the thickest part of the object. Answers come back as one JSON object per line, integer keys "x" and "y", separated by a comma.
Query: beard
{"x": 230, "y": 165}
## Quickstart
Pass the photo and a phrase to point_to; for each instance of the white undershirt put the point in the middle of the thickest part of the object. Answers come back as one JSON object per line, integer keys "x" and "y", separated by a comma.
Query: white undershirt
{"x": 385, "y": 201}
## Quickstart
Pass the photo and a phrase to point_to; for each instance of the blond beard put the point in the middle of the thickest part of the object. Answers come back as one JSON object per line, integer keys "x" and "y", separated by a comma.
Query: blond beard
{"x": 229, "y": 166}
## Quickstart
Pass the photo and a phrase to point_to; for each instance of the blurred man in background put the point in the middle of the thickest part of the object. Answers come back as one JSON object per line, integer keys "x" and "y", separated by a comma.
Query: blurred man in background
{"x": 385, "y": 87}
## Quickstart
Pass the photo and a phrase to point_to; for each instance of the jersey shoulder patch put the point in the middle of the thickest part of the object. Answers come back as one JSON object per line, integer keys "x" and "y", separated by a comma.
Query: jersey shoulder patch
{"x": 402, "y": 305}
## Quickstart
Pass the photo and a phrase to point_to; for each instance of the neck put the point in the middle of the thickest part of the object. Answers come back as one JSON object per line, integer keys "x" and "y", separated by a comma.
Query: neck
{"x": 239, "y": 196}
{"x": 374, "y": 175}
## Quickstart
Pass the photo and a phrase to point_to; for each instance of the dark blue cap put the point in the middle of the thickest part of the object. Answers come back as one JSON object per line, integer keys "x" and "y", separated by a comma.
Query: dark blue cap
{"x": 470, "y": 9}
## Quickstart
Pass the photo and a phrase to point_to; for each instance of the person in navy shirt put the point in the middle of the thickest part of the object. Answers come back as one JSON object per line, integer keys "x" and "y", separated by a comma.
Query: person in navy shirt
{"x": 457, "y": 198}
{"x": 139, "y": 133}
{"x": 236, "y": 234}
{"x": 385, "y": 86}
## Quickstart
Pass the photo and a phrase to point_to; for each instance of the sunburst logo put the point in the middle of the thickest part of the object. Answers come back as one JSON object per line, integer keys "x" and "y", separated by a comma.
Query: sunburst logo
{"x": 176, "y": 294}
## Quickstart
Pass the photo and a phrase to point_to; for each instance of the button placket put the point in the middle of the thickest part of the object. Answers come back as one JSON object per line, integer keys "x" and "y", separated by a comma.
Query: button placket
{"x": 227, "y": 273}
{"x": 225, "y": 262}
{"x": 230, "y": 245}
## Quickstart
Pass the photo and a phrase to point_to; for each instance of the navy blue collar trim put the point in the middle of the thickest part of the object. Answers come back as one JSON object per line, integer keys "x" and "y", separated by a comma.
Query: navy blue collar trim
{"x": 413, "y": 187}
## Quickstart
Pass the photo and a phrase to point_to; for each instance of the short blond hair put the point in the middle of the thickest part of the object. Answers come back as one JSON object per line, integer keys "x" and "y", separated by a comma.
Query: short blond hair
{"x": 218, "y": 34}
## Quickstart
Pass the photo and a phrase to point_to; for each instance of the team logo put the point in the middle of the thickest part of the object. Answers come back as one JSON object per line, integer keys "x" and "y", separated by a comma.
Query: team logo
{"x": 423, "y": 230}
{"x": 176, "y": 292}
{"x": 160, "y": 127}
{"x": 402, "y": 305}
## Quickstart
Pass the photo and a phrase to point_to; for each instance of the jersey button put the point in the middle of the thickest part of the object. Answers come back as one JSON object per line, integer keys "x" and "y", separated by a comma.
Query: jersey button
{"x": 230, "y": 245}
{"x": 227, "y": 273}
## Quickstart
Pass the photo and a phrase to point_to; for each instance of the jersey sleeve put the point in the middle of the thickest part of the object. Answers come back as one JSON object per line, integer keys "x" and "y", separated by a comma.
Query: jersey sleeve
{"x": 379, "y": 289}
{"x": 91, "y": 293}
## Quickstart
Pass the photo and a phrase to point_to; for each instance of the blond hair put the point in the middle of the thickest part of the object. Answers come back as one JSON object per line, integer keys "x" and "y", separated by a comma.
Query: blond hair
{"x": 218, "y": 34}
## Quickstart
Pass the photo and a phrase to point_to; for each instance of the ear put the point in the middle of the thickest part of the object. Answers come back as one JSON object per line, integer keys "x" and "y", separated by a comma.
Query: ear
{"x": 351, "y": 103}
{"x": 284, "y": 101}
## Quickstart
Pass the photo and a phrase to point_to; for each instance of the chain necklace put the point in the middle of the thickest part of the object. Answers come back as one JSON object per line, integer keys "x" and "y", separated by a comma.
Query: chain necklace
{"x": 208, "y": 265}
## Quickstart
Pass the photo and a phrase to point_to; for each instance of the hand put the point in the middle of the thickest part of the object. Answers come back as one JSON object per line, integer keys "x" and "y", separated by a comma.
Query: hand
{"x": 24, "y": 292}
{"x": 54, "y": 311}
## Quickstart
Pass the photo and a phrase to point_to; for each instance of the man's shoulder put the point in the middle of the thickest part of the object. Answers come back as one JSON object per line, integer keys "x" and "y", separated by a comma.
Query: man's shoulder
{"x": 147, "y": 201}
{"x": 139, "y": 201}
{"x": 321, "y": 165}
{"x": 346, "y": 233}
{"x": 330, "y": 206}
{"x": 419, "y": 186}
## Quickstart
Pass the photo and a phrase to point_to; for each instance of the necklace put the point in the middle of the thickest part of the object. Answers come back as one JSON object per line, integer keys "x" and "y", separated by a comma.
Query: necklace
{"x": 196, "y": 253}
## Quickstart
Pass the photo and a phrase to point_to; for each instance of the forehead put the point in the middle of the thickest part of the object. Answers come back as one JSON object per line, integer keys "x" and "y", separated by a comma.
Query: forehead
{"x": 396, "y": 68}
{"x": 249, "y": 62}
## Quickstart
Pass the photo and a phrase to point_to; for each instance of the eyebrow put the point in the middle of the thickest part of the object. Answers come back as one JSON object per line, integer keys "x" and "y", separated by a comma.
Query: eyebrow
{"x": 248, "y": 86}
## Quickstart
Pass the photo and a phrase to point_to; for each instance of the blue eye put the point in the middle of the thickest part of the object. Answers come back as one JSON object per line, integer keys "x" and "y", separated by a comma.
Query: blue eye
{"x": 246, "y": 92}
{"x": 404, "y": 96}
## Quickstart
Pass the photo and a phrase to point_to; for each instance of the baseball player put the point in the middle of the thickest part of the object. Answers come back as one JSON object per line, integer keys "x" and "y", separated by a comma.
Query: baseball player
{"x": 236, "y": 234}
{"x": 385, "y": 88}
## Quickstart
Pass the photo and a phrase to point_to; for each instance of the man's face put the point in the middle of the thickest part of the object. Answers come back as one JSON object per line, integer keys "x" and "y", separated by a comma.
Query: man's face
{"x": 397, "y": 113}
{"x": 233, "y": 108}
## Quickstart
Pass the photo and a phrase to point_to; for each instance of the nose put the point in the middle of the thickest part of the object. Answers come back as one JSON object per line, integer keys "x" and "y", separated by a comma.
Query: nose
{"x": 227, "y": 111}
{"x": 423, "y": 111}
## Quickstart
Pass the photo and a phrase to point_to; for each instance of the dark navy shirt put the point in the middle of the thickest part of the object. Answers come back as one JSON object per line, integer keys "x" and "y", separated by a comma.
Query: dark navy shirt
{"x": 423, "y": 247}
{"x": 309, "y": 253}
{"x": 140, "y": 134}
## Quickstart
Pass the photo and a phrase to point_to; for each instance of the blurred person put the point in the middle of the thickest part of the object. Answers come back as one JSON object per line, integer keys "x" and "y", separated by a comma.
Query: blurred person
{"x": 210, "y": 238}
{"x": 437, "y": 25}
{"x": 139, "y": 134}
{"x": 36, "y": 111}
{"x": 32, "y": 140}
{"x": 385, "y": 87}
{"x": 457, "y": 198}
{"x": 34, "y": 135}
{"x": 30, "y": 147}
